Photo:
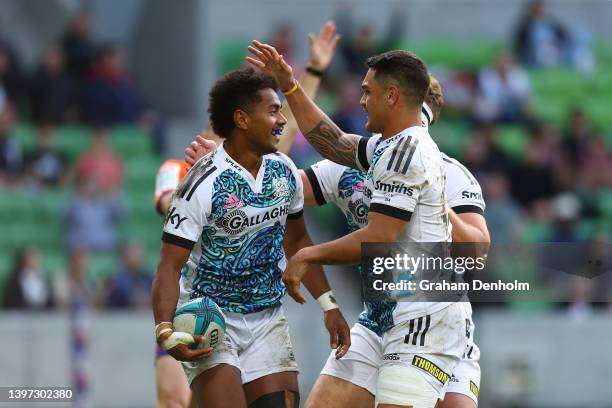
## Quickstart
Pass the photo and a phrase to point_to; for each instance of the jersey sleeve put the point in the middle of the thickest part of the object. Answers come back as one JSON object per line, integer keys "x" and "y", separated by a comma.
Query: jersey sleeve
{"x": 189, "y": 211}
{"x": 463, "y": 191}
{"x": 398, "y": 178}
{"x": 365, "y": 152}
{"x": 468, "y": 199}
{"x": 296, "y": 205}
{"x": 324, "y": 177}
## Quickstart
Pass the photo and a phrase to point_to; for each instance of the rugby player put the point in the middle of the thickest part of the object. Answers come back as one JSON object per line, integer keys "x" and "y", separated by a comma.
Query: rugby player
{"x": 171, "y": 383}
{"x": 350, "y": 382}
{"x": 414, "y": 367}
{"x": 224, "y": 237}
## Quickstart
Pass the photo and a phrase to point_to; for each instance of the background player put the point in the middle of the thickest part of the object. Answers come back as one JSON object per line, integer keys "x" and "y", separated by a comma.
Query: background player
{"x": 394, "y": 90}
{"x": 349, "y": 382}
{"x": 234, "y": 205}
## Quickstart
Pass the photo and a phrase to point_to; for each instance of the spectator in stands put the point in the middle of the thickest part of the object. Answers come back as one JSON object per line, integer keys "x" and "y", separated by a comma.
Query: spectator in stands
{"x": 11, "y": 78}
{"x": 540, "y": 40}
{"x": 350, "y": 116}
{"x": 283, "y": 40}
{"x": 51, "y": 90}
{"x": 110, "y": 97}
{"x": 45, "y": 165}
{"x": 91, "y": 219}
{"x": 576, "y": 137}
{"x": 11, "y": 156}
{"x": 130, "y": 287}
{"x": 78, "y": 46}
{"x": 503, "y": 215}
{"x": 483, "y": 155}
{"x": 100, "y": 164}
{"x": 544, "y": 143}
{"x": 565, "y": 209}
{"x": 533, "y": 181}
{"x": 28, "y": 287}
{"x": 596, "y": 164}
{"x": 503, "y": 92}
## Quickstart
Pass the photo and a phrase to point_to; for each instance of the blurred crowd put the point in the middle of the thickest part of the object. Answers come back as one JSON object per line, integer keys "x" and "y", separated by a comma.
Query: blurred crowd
{"x": 552, "y": 181}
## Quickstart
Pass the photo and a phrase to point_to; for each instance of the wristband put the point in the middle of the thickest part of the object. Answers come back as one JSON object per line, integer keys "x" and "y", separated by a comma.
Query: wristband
{"x": 327, "y": 301}
{"x": 315, "y": 72}
{"x": 157, "y": 327}
{"x": 292, "y": 90}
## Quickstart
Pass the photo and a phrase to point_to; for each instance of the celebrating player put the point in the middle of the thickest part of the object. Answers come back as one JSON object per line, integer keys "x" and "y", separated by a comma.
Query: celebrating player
{"x": 404, "y": 193}
{"x": 172, "y": 387}
{"x": 351, "y": 382}
{"x": 235, "y": 206}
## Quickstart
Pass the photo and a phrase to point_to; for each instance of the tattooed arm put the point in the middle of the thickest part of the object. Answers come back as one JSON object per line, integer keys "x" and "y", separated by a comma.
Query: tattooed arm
{"x": 322, "y": 133}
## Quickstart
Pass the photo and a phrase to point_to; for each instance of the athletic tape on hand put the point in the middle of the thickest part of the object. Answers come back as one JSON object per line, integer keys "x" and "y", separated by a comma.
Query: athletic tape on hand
{"x": 177, "y": 338}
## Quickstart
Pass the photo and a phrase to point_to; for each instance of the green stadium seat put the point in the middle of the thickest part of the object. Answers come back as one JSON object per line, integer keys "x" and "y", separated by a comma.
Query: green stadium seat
{"x": 512, "y": 140}
{"x": 454, "y": 54}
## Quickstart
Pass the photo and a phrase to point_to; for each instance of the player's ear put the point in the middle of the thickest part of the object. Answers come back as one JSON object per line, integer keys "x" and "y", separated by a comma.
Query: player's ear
{"x": 241, "y": 119}
{"x": 392, "y": 95}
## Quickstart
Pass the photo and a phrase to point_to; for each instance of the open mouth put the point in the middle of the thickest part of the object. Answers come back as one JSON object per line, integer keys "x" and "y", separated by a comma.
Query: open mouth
{"x": 277, "y": 131}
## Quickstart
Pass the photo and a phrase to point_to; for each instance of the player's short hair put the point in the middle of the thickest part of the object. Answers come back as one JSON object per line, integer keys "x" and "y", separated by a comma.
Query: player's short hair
{"x": 434, "y": 98}
{"x": 238, "y": 89}
{"x": 406, "y": 69}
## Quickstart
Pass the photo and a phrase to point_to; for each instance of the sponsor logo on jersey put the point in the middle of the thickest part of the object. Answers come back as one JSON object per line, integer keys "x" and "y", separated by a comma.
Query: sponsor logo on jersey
{"x": 453, "y": 379}
{"x": 234, "y": 165}
{"x": 360, "y": 186}
{"x": 232, "y": 202}
{"x": 359, "y": 210}
{"x": 281, "y": 187}
{"x": 474, "y": 388}
{"x": 394, "y": 188}
{"x": 174, "y": 218}
{"x": 236, "y": 221}
{"x": 367, "y": 192}
{"x": 391, "y": 357}
{"x": 470, "y": 194}
{"x": 429, "y": 367}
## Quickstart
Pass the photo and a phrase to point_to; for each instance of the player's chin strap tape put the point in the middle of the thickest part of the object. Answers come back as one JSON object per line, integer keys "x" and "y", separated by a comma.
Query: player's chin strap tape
{"x": 177, "y": 338}
{"x": 278, "y": 399}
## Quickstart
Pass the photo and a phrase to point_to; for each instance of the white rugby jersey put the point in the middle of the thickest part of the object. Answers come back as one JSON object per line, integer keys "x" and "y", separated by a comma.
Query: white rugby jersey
{"x": 344, "y": 187}
{"x": 234, "y": 225}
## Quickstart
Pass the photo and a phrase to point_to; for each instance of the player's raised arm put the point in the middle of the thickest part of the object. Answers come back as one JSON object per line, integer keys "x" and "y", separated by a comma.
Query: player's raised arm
{"x": 322, "y": 48}
{"x": 322, "y": 133}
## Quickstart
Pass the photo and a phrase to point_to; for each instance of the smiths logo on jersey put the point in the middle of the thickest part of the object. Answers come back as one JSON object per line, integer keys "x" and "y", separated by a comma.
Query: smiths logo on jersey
{"x": 236, "y": 221}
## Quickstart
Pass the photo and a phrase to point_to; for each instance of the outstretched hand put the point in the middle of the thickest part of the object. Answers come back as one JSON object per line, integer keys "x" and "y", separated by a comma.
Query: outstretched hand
{"x": 270, "y": 62}
{"x": 323, "y": 46}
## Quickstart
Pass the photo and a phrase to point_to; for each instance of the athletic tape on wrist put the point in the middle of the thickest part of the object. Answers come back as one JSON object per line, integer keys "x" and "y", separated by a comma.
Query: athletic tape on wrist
{"x": 177, "y": 338}
{"x": 327, "y": 301}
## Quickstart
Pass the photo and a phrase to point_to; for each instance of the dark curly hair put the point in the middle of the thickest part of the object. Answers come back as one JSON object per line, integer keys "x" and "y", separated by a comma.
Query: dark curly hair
{"x": 236, "y": 90}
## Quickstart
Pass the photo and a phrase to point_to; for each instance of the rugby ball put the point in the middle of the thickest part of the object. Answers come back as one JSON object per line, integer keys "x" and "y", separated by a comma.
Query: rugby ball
{"x": 201, "y": 316}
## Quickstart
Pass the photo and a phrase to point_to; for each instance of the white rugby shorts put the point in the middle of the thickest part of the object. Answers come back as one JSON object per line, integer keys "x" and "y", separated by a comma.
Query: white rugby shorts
{"x": 258, "y": 344}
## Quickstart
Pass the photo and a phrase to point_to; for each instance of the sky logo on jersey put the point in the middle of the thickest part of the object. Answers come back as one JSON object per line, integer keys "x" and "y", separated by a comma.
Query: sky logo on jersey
{"x": 236, "y": 221}
{"x": 232, "y": 202}
{"x": 394, "y": 188}
{"x": 174, "y": 218}
{"x": 429, "y": 367}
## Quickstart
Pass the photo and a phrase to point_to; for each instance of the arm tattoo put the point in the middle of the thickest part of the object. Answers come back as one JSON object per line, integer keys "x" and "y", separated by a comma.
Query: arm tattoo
{"x": 333, "y": 144}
